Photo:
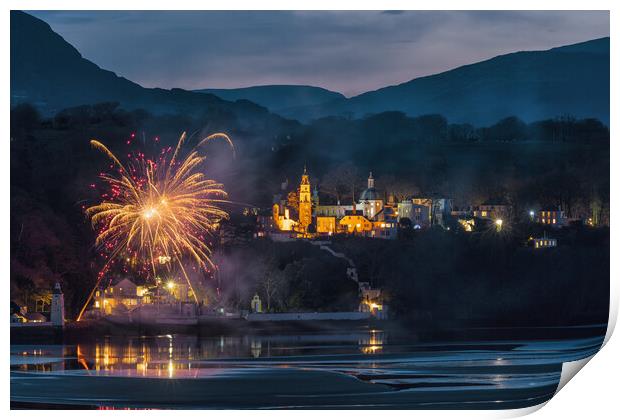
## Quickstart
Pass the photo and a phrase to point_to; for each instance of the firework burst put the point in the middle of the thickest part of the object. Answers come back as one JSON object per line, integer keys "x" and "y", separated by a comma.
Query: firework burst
{"x": 160, "y": 212}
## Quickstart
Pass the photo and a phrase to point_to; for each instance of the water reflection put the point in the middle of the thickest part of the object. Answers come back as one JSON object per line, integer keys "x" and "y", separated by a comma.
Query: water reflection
{"x": 179, "y": 355}
{"x": 352, "y": 369}
{"x": 373, "y": 343}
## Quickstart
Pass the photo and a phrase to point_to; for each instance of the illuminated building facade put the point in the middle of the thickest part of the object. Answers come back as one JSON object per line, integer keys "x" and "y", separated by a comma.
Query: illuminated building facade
{"x": 355, "y": 223}
{"x": 368, "y": 217}
{"x": 125, "y": 296}
{"x": 552, "y": 216}
{"x": 282, "y": 214}
{"x": 371, "y": 203}
{"x": 326, "y": 225}
{"x": 544, "y": 242}
{"x": 493, "y": 211}
{"x": 418, "y": 214}
{"x": 122, "y": 296}
{"x": 424, "y": 212}
{"x": 305, "y": 202}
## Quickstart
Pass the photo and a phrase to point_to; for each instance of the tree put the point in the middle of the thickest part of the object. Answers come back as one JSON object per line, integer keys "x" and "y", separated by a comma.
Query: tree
{"x": 341, "y": 182}
{"x": 508, "y": 129}
{"x": 24, "y": 118}
{"x": 400, "y": 188}
{"x": 292, "y": 200}
{"x": 272, "y": 286}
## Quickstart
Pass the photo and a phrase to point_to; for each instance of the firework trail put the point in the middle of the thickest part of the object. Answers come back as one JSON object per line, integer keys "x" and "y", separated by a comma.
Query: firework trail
{"x": 159, "y": 212}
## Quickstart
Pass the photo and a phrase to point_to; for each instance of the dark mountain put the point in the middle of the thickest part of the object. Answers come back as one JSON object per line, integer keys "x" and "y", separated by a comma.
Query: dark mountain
{"x": 531, "y": 85}
{"x": 50, "y": 73}
{"x": 278, "y": 97}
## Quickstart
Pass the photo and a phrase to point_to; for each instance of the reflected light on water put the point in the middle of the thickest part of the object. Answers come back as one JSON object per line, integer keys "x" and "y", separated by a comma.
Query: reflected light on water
{"x": 181, "y": 356}
{"x": 373, "y": 344}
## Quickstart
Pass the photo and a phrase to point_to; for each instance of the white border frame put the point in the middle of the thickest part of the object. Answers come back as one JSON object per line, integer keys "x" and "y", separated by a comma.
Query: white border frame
{"x": 593, "y": 394}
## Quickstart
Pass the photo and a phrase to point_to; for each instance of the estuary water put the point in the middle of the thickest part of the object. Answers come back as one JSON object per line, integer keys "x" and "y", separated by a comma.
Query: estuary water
{"x": 363, "y": 368}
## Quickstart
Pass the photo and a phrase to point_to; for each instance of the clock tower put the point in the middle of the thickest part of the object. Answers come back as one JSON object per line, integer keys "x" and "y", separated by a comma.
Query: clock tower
{"x": 305, "y": 202}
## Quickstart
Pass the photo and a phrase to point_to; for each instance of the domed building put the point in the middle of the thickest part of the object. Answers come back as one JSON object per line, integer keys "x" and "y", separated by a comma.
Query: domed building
{"x": 366, "y": 217}
{"x": 371, "y": 202}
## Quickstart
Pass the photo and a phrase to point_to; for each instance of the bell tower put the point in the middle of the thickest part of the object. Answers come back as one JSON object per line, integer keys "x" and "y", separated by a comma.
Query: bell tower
{"x": 305, "y": 202}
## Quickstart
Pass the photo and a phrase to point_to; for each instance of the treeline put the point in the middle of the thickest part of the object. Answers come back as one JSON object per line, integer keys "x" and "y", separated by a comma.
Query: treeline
{"x": 489, "y": 279}
{"x": 53, "y": 168}
{"x": 432, "y": 277}
{"x": 430, "y": 128}
{"x": 565, "y": 129}
{"x": 290, "y": 276}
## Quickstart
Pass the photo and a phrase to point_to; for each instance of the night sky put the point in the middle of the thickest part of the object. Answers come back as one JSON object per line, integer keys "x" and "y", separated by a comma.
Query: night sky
{"x": 349, "y": 52}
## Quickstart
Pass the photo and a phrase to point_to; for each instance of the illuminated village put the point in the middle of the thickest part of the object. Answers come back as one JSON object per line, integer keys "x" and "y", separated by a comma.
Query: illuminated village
{"x": 298, "y": 215}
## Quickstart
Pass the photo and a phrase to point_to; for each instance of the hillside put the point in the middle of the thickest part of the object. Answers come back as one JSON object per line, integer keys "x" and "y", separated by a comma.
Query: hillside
{"x": 49, "y": 72}
{"x": 278, "y": 98}
{"x": 533, "y": 85}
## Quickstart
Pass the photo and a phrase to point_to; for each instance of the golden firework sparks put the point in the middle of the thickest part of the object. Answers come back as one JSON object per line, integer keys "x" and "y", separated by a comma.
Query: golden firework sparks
{"x": 160, "y": 211}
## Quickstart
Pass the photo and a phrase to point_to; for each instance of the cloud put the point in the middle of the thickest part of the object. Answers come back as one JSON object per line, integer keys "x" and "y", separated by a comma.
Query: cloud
{"x": 346, "y": 51}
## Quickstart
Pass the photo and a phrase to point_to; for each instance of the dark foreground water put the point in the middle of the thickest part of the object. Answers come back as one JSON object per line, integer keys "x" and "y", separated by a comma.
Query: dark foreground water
{"x": 366, "y": 368}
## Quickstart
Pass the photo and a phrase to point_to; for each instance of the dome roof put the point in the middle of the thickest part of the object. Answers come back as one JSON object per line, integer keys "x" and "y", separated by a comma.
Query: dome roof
{"x": 369, "y": 194}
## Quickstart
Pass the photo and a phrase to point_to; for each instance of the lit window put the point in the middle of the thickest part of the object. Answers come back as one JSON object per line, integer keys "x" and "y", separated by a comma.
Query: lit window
{"x": 554, "y": 221}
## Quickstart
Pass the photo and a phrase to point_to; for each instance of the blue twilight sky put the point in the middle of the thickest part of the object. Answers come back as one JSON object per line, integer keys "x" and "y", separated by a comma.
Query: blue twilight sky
{"x": 349, "y": 52}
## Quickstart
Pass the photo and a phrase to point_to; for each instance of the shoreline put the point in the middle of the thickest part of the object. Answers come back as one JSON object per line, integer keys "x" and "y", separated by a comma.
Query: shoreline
{"x": 90, "y": 330}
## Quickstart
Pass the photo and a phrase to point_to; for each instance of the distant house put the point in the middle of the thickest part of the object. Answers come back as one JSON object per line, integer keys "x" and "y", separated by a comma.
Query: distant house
{"x": 424, "y": 212}
{"x": 122, "y": 296}
{"x": 338, "y": 211}
{"x": 552, "y": 216}
{"x": 355, "y": 223}
{"x": 441, "y": 211}
{"x": 385, "y": 224}
{"x": 493, "y": 211}
{"x": 264, "y": 223}
{"x": 462, "y": 212}
{"x": 419, "y": 214}
{"x": 325, "y": 225}
{"x": 543, "y": 242}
